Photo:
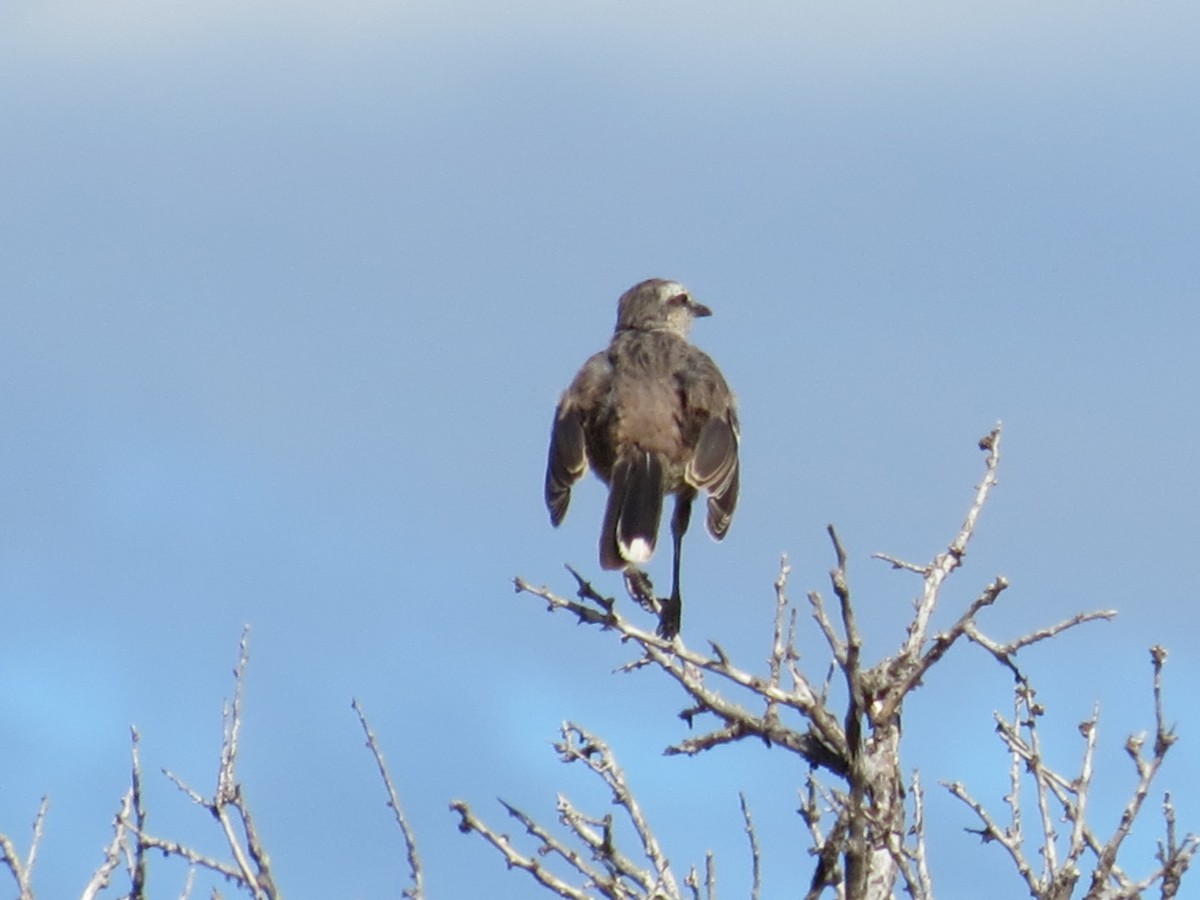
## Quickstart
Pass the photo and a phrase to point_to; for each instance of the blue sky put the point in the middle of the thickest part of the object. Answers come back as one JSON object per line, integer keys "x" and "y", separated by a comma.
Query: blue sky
{"x": 287, "y": 295}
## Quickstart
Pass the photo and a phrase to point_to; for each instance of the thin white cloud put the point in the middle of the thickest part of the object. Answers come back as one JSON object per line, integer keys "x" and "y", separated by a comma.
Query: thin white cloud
{"x": 711, "y": 34}
{"x": 757, "y": 42}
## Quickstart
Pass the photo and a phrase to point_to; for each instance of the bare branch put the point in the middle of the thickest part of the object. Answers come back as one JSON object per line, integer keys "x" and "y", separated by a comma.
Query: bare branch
{"x": 1174, "y": 855}
{"x": 783, "y": 647}
{"x": 1005, "y": 652}
{"x": 950, "y": 559}
{"x": 1077, "y": 814}
{"x": 184, "y": 894}
{"x": 908, "y": 674}
{"x": 512, "y": 857}
{"x": 39, "y": 823}
{"x": 993, "y": 832}
{"x": 112, "y": 853}
{"x": 755, "y": 853}
{"x": 860, "y": 837}
{"x": 579, "y": 745}
{"x": 416, "y": 891}
{"x": 597, "y": 835}
{"x": 841, "y": 587}
{"x": 192, "y": 794}
{"x": 922, "y": 889}
{"x": 822, "y": 745}
{"x": 600, "y": 843}
{"x": 616, "y": 876}
{"x": 710, "y": 879}
{"x": 836, "y": 645}
{"x": 1164, "y": 737}
{"x": 137, "y": 862}
{"x": 22, "y": 871}
{"x": 1069, "y": 797}
{"x": 251, "y": 868}
{"x": 1146, "y": 770}
{"x": 896, "y": 563}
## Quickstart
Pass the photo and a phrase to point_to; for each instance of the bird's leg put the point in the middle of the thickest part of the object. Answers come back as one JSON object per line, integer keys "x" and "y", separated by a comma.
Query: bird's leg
{"x": 670, "y": 616}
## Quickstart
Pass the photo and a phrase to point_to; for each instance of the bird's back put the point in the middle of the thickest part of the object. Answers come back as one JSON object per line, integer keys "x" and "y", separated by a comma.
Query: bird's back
{"x": 647, "y": 402}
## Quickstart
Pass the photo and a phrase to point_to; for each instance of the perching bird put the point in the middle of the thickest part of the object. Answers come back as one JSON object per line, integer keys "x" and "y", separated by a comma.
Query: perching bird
{"x": 652, "y": 415}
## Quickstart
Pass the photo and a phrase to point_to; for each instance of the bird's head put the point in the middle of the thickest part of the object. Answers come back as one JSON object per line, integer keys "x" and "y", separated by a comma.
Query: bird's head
{"x": 658, "y": 305}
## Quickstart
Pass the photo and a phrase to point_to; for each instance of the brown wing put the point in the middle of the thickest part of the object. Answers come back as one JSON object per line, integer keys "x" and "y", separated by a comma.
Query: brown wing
{"x": 713, "y": 464}
{"x": 715, "y": 467}
{"x": 567, "y": 459}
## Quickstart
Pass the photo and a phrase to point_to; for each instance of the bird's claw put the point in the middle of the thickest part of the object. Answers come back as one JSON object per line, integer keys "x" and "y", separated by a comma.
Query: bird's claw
{"x": 641, "y": 589}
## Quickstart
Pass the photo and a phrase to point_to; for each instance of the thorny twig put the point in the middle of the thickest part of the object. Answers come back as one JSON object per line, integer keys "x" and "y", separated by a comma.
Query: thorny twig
{"x": 416, "y": 891}
{"x": 22, "y": 870}
{"x": 112, "y": 853}
{"x": 578, "y": 745}
{"x": 822, "y": 744}
{"x": 251, "y": 866}
{"x": 755, "y": 852}
{"x": 1058, "y": 796}
{"x": 863, "y": 849}
{"x": 603, "y": 866}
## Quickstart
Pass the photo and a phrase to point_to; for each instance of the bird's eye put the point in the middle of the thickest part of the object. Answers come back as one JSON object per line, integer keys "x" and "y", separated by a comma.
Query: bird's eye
{"x": 679, "y": 300}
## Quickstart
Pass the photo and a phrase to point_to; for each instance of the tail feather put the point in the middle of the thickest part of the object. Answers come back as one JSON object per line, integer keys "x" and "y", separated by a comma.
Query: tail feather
{"x": 635, "y": 498}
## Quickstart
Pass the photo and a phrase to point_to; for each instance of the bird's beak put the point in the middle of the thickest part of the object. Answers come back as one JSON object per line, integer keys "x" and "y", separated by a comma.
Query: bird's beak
{"x": 699, "y": 310}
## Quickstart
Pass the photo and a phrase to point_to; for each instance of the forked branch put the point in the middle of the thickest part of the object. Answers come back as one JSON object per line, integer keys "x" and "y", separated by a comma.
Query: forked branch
{"x": 1062, "y": 798}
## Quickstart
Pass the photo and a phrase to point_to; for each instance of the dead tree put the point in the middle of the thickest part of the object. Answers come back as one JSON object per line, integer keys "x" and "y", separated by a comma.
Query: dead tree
{"x": 126, "y": 855}
{"x": 248, "y": 868}
{"x": 864, "y": 818}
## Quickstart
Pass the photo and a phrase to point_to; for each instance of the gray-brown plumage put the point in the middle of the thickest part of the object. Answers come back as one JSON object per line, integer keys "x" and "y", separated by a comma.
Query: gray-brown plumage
{"x": 651, "y": 415}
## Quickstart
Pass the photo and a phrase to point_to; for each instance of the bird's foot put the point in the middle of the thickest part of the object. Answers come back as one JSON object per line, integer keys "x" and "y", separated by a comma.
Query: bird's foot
{"x": 670, "y": 615}
{"x": 668, "y": 609}
{"x": 641, "y": 589}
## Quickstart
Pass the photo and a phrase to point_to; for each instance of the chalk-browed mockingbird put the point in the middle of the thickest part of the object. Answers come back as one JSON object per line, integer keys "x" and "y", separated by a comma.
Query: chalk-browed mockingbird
{"x": 652, "y": 415}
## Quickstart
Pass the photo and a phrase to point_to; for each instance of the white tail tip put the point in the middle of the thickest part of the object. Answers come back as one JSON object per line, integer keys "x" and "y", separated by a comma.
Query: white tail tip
{"x": 638, "y": 551}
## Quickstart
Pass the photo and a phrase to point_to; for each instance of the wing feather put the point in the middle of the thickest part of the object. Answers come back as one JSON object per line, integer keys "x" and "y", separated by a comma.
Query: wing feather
{"x": 567, "y": 460}
{"x": 715, "y": 467}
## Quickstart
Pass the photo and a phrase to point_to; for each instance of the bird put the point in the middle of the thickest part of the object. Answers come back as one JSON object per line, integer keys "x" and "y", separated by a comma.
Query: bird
{"x": 651, "y": 415}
